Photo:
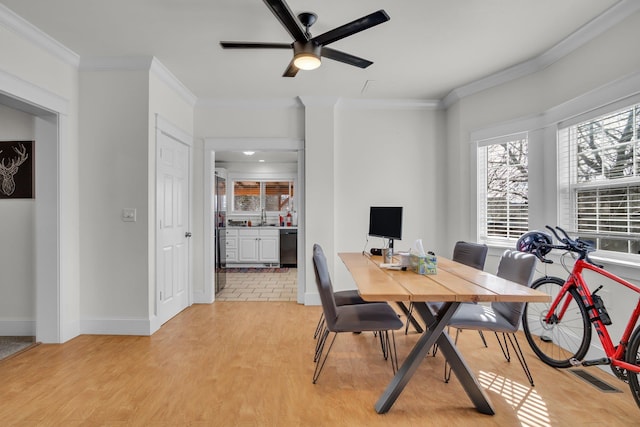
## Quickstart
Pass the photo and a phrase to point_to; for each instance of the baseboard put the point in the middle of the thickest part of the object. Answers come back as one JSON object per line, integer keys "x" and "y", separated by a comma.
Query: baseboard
{"x": 202, "y": 298}
{"x": 17, "y": 328}
{"x": 143, "y": 327}
{"x": 312, "y": 298}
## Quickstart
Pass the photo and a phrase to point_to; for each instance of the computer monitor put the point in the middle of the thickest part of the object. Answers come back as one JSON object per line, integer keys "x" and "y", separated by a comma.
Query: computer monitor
{"x": 386, "y": 222}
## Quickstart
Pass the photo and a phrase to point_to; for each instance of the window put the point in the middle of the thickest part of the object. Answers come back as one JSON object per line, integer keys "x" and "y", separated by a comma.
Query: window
{"x": 599, "y": 178}
{"x": 255, "y": 195}
{"x": 503, "y": 188}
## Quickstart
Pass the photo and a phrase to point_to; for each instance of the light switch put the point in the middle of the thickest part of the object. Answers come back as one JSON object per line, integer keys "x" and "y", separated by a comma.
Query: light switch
{"x": 129, "y": 214}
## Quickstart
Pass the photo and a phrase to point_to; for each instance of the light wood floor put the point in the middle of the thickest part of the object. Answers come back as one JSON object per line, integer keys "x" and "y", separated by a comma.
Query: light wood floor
{"x": 250, "y": 364}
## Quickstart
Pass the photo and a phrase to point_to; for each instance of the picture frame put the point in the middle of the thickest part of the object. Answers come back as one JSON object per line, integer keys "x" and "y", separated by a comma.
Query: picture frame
{"x": 17, "y": 170}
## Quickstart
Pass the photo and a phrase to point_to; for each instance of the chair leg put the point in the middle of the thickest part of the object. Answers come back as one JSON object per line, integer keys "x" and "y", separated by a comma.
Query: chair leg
{"x": 319, "y": 360}
{"x": 518, "y": 351}
{"x": 409, "y": 317}
{"x": 320, "y": 342}
{"x": 393, "y": 352}
{"x": 384, "y": 344}
{"x": 504, "y": 347}
{"x": 484, "y": 341}
{"x": 447, "y": 368}
{"x": 319, "y": 326}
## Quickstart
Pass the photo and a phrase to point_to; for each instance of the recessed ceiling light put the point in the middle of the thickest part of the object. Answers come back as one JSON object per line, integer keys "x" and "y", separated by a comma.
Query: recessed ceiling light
{"x": 261, "y": 160}
{"x": 249, "y": 153}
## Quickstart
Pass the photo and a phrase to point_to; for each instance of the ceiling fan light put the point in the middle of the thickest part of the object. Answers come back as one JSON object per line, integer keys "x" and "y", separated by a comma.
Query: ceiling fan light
{"x": 306, "y": 61}
{"x": 306, "y": 56}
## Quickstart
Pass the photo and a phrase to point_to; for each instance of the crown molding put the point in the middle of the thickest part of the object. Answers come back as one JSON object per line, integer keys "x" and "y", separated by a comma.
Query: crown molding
{"x": 389, "y": 104}
{"x": 249, "y": 104}
{"x": 139, "y": 63}
{"x": 116, "y": 63}
{"x": 25, "y": 29}
{"x": 603, "y": 22}
{"x": 239, "y": 144}
{"x": 319, "y": 101}
{"x": 172, "y": 81}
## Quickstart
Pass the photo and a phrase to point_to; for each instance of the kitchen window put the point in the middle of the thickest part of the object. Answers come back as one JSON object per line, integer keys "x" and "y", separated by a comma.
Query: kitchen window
{"x": 599, "y": 179}
{"x": 251, "y": 196}
{"x": 503, "y": 188}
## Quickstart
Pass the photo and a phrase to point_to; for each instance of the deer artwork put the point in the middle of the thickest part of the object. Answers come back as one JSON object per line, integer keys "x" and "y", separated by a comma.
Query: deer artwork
{"x": 7, "y": 172}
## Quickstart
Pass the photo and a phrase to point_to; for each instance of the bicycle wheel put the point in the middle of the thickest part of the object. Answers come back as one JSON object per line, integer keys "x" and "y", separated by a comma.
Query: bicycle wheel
{"x": 633, "y": 357}
{"x": 558, "y": 342}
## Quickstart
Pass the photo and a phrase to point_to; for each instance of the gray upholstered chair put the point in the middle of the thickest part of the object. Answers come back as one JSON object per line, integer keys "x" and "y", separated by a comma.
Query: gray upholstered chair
{"x": 348, "y": 297}
{"x": 500, "y": 317}
{"x": 471, "y": 254}
{"x": 374, "y": 317}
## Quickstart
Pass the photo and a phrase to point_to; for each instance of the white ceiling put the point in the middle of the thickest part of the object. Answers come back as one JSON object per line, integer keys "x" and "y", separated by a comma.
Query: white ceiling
{"x": 427, "y": 49}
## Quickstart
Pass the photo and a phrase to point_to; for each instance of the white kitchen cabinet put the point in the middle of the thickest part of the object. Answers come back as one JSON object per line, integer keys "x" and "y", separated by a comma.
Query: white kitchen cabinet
{"x": 259, "y": 245}
{"x": 231, "y": 245}
{"x": 269, "y": 246}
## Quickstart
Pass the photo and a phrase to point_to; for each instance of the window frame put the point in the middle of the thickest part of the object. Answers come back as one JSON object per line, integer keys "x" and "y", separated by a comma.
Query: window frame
{"x": 262, "y": 179}
{"x": 482, "y": 215}
{"x": 569, "y": 186}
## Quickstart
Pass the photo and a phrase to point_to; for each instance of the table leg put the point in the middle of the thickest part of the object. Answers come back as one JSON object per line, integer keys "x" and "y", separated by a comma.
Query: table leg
{"x": 468, "y": 381}
{"x": 434, "y": 333}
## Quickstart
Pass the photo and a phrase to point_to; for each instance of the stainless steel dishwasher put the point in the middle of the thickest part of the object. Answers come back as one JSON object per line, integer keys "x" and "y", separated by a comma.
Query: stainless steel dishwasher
{"x": 288, "y": 247}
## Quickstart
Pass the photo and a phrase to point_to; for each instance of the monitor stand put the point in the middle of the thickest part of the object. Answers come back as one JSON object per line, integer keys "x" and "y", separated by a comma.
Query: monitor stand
{"x": 388, "y": 254}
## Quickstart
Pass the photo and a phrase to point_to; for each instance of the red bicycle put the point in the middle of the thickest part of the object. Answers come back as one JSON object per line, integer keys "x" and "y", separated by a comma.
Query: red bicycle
{"x": 559, "y": 331}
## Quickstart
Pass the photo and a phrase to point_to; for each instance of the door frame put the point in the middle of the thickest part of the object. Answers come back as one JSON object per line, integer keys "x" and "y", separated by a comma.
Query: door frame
{"x": 211, "y": 145}
{"x": 52, "y": 264}
{"x": 163, "y": 126}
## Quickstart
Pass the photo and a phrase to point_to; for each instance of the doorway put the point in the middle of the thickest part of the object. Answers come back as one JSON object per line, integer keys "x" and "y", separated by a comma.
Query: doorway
{"x": 290, "y": 280}
{"x": 49, "y": 324}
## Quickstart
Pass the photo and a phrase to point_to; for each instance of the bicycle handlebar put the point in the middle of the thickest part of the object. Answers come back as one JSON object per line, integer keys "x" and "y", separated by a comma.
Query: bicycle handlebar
{"x": 579, "y": 246}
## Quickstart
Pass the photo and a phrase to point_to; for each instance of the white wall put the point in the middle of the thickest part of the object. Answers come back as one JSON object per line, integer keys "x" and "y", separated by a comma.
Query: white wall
{"x": 586, "y": 79}
{"x": 17, "y": 253}
{"x": 355, "y": 156}
{"x": 386, "y": 157}
{"x": 120, "y": 108}
{"x": 530, "y": 98}
{"x": 42, "y": 80}
{"x": 114, "y": 159}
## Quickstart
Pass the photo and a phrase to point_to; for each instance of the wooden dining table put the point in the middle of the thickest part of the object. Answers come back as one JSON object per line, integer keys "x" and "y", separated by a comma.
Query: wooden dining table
{"x": 453, "y": 284}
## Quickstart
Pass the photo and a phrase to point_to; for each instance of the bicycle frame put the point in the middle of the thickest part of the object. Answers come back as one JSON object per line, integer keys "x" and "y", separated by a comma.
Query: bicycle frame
{"x": 616, "y": 354}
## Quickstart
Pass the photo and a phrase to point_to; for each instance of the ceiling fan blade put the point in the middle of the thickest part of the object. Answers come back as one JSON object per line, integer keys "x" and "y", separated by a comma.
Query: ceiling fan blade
{"x": 291, "y": 70}
{"x": 347, "y": 58}
{"x": 353, "y": 27}
{"x": 286, "y": 17}
{"x": 254, "y": 45}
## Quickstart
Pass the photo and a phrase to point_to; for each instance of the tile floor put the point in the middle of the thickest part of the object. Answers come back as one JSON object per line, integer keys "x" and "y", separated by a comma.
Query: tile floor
{"x": 260, "y": 286}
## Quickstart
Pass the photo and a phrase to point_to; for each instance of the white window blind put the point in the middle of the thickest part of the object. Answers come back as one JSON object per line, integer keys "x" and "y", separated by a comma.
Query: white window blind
{"x": 599, "y": 179}
{"x": 503, "y": 187}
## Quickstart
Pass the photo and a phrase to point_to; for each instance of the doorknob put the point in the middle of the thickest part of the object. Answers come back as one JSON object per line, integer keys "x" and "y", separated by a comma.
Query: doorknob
{"x": 187, "y": 234}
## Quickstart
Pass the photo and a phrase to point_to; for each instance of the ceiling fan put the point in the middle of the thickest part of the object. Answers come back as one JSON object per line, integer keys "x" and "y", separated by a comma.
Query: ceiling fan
{"x": 308, "y": 50}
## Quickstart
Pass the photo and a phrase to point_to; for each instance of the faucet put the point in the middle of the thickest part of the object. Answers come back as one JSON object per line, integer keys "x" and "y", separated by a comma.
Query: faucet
{"x": 263, "y": 218}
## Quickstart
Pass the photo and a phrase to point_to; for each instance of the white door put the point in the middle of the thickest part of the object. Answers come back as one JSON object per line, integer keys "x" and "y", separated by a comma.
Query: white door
{"x": 173, "y": 227}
